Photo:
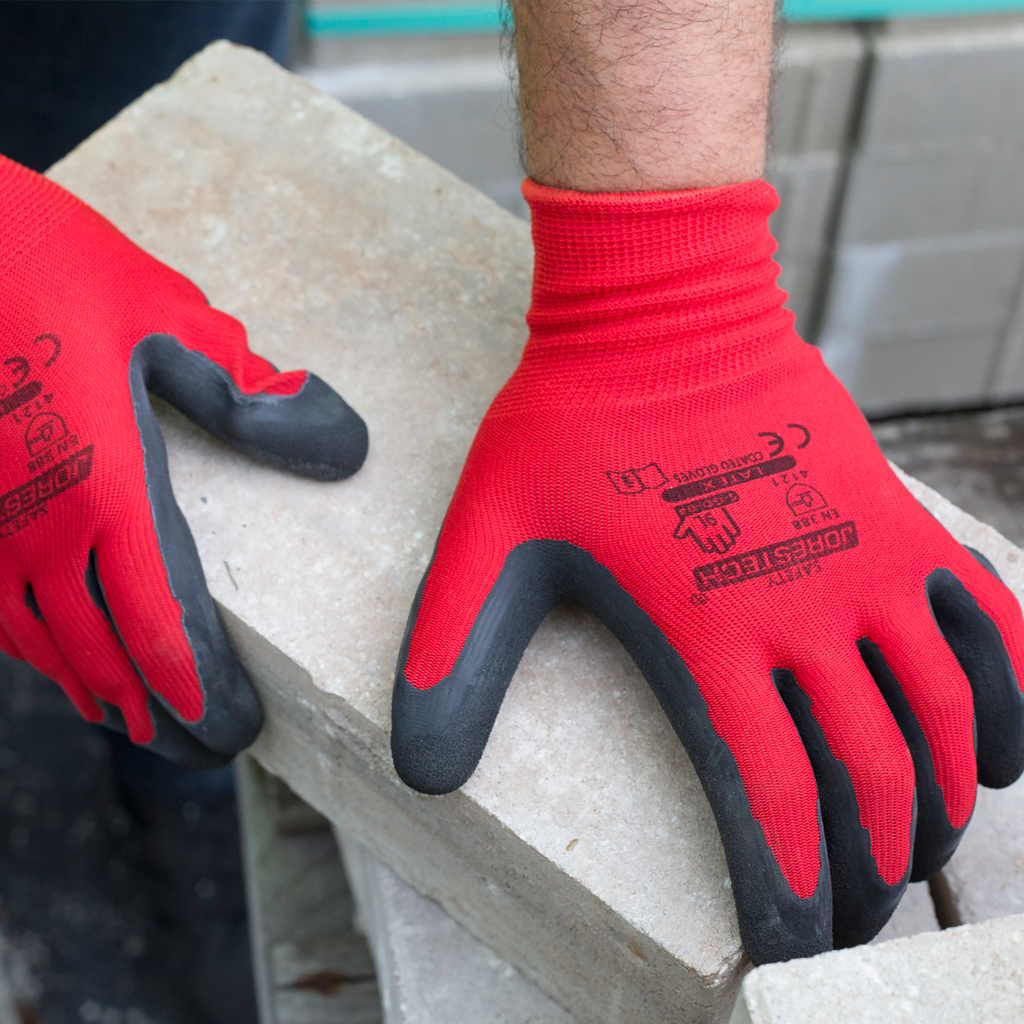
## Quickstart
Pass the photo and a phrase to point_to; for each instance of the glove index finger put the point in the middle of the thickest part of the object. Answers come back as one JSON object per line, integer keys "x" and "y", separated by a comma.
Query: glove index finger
{"x": 151, "y": 581}
{"x": 292, "y": 421}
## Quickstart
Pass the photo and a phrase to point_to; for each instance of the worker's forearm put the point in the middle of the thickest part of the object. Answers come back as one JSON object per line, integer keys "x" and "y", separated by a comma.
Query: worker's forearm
{"x": 643, "y": 95}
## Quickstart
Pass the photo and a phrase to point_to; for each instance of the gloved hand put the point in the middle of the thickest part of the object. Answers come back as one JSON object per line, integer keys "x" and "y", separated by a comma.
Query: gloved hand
{"x": 671, "y": 456}
{"x": 100, "y": 583}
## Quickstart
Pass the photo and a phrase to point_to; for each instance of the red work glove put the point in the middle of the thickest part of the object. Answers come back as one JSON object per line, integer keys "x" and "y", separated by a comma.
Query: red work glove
{"x": 100, "y": 583}
{"x": 671, "y": 456}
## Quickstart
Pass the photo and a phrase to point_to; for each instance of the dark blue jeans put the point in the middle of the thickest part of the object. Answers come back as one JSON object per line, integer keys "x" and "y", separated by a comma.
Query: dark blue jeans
{"x": 68, "y": 66}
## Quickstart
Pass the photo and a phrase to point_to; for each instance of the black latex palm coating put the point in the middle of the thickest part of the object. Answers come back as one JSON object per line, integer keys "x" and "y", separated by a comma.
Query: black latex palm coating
{"x": 438, "y": 737}
{"x": 312, "y": 433}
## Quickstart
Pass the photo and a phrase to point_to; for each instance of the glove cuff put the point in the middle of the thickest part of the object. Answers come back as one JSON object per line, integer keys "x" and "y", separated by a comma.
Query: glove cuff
{"x": 683, "y": 277}
{"x": 30, "y": 207}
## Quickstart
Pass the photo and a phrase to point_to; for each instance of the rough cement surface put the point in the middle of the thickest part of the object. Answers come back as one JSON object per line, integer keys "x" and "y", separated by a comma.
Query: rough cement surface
{"x": 431, "y": 970}
{"x": 583, "y": 850}
{"x": 973, "y": 973}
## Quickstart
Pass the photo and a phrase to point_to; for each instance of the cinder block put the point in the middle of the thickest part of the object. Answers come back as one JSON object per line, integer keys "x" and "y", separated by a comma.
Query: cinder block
{"x": 917, "y": 374}
{"x": 456, "y": 108}
{"x": 432, "y": 971}
{"x": 932, "y": 227}
{"x": 962, "y": 285}
{"x": 914, "y": 915}
{"x": 310, "y": 964}
{"x": 813, "y": 95}
{"x": 921, "y": 195}
{"x": 944, "y": 83}
{"x": 974, "y": 973}
{"x": 986, "y": 874}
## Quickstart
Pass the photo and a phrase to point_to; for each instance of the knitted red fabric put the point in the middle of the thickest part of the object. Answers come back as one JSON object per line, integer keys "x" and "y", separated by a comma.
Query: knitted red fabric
{"x": 666, "y": 419}
{"x": 75, "y": 298}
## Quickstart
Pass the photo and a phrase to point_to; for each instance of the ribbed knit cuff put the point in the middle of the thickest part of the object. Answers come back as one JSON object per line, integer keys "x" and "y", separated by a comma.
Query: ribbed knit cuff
{"x": 682, "y": 276}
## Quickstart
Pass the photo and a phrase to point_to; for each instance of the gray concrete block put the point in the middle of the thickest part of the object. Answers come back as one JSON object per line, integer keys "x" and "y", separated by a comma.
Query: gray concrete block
{"x": 922, "y": 323}
{"x": 921, "y": 195}
{"x": 974, "y": 973}
{"x": 946, "y": 83}
{"x": 964, "y": 285}
{"x": 924, "y": 373}
{"x": 343, "y": 250}
{"x": 310, "y": 965}
{"x": 813, "y": 94}
{"x": 431, "y": 970}
{"x": 456, "y": 109}
{"x": 929, "y": 243}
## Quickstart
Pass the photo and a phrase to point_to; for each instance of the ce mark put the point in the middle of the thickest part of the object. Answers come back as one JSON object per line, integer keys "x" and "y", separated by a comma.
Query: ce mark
{"x": 776, "y": 442}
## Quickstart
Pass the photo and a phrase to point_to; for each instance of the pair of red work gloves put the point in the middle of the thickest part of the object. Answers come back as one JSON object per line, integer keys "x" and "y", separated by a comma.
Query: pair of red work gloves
{"x": 668, "y": 454}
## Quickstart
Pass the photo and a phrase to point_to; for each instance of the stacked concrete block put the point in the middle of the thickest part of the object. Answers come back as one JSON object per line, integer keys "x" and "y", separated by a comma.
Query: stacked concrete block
{"x": 930, "y": 246}
{"x": 310, "y": 964}
{"x": 430, "y": 969}
{"x": 985, "y": 878}
{"x": 974, "y": 973}
{"x": 814, "y": 103}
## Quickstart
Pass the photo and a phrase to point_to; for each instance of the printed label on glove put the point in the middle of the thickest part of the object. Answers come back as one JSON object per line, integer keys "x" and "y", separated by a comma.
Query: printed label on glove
{"x": 708, "y": 501}
{"x": 50, "y": 445}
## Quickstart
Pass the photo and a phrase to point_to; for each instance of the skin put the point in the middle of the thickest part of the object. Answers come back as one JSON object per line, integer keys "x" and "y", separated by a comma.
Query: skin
{"x": 645, "y": 95}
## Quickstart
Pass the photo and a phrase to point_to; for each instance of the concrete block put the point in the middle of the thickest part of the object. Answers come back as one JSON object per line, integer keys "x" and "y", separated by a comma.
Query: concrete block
{"x": 344, "y": 251}
{"x": 431, "y": 970}
{"x": 310, "y": 964}
{"x": 946, "y": 83}
{"x": 923, "y": 195}
{"x": 583, "y": 851}
{"x": 974, "y": 973}
{"x": 916, "y": 374}
{"x": 931, "y": 236}
{"x": 815, "y": 88}
{"x": 457, "y": 109}
{"x": 964, "y": 285}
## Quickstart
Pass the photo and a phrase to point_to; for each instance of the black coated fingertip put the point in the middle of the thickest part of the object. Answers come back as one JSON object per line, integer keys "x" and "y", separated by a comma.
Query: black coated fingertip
{"x": 170, "y": 740}
{"x": 978, "y": 645}
{"x": 438, "y": 734}
{"x": 862, "y": 901}
{"x": 935, "y": 839}
{"x": 313, "y": 432}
